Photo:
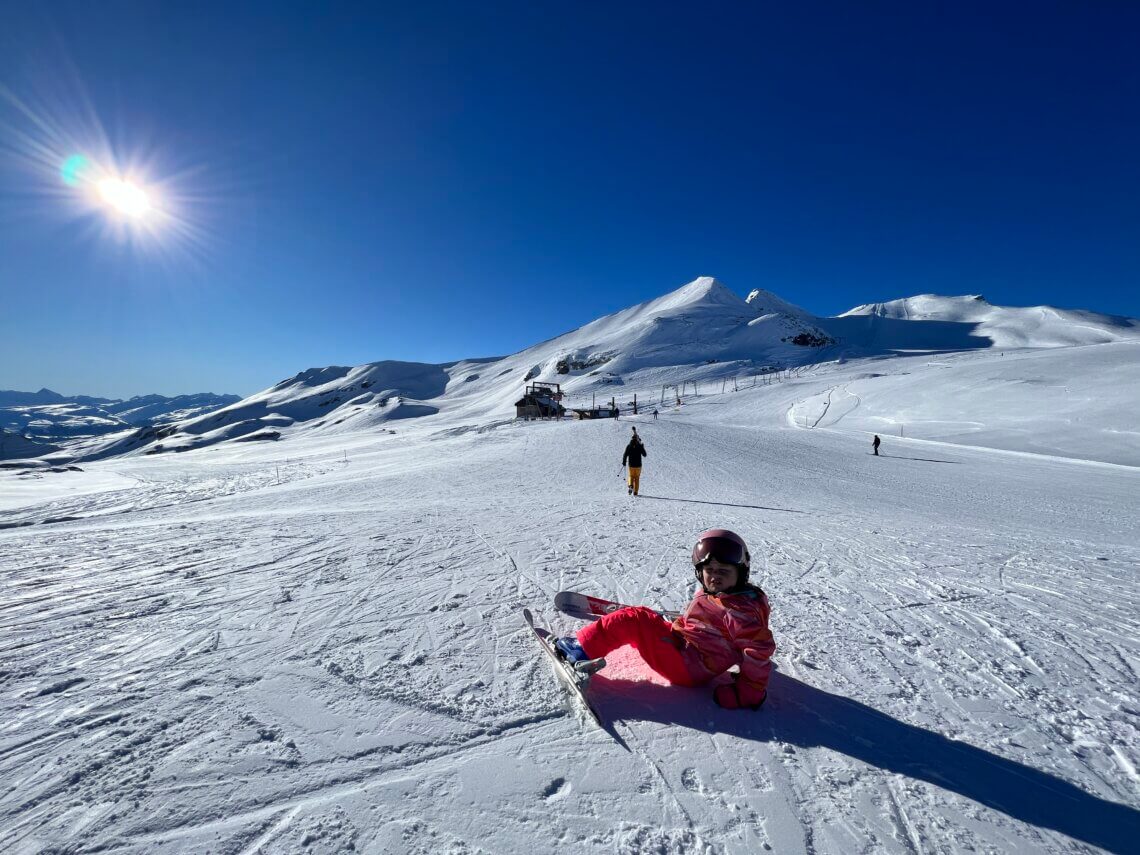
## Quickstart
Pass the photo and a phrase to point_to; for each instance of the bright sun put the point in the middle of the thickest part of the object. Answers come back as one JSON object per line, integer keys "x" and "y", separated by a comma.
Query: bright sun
{"x": 124, "y": 197}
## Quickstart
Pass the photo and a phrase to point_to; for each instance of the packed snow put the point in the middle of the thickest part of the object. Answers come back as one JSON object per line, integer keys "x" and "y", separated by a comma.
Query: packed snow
{"x": 314, "y": 644}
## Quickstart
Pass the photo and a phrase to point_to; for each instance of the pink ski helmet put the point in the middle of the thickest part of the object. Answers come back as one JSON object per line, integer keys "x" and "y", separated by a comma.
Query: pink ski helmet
{"x": 725, "y": 546}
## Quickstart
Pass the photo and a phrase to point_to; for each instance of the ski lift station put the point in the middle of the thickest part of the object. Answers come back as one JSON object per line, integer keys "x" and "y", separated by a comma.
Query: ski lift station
{"x": 540, "y": 401}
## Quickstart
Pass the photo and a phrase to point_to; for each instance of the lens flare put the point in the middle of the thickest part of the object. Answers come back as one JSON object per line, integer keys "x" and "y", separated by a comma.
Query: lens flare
{"x": 74, "y": 169}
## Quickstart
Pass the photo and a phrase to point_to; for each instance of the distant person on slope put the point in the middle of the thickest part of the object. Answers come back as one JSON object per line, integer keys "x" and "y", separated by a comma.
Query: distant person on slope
{"x": 726, "y": 624}
{"x": 633, "y": 454}
{"x": 875, "y": 444}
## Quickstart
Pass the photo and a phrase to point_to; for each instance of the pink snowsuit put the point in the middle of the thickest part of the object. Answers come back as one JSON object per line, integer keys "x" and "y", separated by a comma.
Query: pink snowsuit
{"x": 714, "y": 633}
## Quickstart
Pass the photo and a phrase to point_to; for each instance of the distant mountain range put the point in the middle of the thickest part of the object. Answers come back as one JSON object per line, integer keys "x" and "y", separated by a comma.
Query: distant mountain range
{"x": 700, "y": 332}
{"x": 48, "y": 417}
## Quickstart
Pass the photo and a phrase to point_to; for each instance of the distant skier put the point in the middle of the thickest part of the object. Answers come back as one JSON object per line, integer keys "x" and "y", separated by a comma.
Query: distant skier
{"x": 875, "y": 444}
{"x": 726, "y": 624}
{"x": 633, "y": 454}
{"x": 654, "y": 414}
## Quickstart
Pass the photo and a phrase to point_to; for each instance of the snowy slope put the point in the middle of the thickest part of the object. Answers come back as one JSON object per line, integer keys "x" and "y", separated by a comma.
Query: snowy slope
{"x": 1080, "y": 402}
{"x": 314, "y": 646}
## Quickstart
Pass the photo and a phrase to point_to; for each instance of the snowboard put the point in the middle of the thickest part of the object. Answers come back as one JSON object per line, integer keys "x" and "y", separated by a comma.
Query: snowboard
{"x": 576, "y": 681}
{"x": 585, "y": 607}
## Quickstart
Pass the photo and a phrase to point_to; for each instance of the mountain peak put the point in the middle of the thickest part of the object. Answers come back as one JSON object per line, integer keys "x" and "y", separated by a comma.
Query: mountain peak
{"x": 706, "y": 283}
{"x": 708, "y": 286}
{"x": 704, "y": 291}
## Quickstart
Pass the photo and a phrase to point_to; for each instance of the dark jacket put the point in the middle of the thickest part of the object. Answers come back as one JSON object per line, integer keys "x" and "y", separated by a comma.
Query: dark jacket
{"x": 633, "y": 454}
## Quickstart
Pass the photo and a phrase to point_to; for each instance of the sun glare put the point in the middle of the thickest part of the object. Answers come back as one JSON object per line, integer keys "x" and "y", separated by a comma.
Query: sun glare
{"x": 124, "y": 197}
{"x": 132, "y": 194}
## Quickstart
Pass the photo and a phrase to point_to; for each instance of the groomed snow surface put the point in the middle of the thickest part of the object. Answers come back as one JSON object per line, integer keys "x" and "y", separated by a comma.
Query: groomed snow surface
{"x": 315, "y": 645}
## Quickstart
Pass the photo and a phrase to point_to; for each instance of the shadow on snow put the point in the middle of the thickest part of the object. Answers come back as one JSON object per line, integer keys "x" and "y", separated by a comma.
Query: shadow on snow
{"x": 920, "y": 459}
{"x": 802, "y": 715}
{"x": 723, "y": 504}
{"x": 874, "y": 335}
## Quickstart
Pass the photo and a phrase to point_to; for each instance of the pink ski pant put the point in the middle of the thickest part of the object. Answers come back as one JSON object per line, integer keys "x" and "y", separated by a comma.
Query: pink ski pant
{"x": 647, "y": 632}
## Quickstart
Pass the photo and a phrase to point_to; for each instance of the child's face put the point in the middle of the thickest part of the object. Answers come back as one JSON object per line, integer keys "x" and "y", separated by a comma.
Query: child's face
{"x": 718, "y": 576}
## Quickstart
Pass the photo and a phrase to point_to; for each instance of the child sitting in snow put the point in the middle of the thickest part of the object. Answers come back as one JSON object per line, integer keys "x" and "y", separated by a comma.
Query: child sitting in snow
{"x": 726, "y": 624}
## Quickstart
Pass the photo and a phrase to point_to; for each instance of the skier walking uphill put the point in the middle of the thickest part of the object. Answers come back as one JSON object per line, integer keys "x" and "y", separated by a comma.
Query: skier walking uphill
{"x": 875, "y": 444}
{"x": 633, "y": 454}
{"x": 726, "y": 624}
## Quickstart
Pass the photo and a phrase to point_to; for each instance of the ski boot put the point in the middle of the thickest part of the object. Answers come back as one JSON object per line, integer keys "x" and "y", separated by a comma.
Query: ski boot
{"x": 570, "y": 650}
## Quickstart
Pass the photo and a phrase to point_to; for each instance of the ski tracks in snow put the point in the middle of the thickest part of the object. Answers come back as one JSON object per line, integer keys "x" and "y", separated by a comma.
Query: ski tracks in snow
{"x": 336, "y": 662}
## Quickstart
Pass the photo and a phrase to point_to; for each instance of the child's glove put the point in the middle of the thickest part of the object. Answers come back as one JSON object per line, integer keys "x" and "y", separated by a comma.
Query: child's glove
{"x": 733, "y": 696}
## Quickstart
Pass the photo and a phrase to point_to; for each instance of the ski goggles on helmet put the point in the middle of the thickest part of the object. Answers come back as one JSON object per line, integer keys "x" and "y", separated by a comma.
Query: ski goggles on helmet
{"x": 725, "y": 546}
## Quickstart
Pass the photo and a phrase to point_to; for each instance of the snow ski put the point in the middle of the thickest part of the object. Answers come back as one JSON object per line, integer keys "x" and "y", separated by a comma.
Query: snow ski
{"x": 576, "y": 680}
{"x": 586, "y": 607}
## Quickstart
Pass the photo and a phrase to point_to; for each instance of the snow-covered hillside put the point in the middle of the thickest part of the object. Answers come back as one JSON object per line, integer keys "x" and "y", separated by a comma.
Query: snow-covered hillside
{"x": 932, "y": 323}
{"x": 1004, "y": 327}
{"x": 1081, "y": 402}
{"x": 314, "y": 646}
{"x": 153, "y": 409}
{"x": 701, "y": 333}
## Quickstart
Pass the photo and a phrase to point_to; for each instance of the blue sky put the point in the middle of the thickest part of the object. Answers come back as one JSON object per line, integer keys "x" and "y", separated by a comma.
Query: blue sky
{"x": 436, "y": 181}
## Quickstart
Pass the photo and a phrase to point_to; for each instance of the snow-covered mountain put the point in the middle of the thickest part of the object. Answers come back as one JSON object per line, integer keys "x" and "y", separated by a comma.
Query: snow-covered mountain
{"x": 928, "y": 318}
{"x": 153, "y": 409}
{"x": 47, "y": 417}
{"x": 319, "y": 398}
{"x": 700, "y": 333}
{"x": 702, "y": 322}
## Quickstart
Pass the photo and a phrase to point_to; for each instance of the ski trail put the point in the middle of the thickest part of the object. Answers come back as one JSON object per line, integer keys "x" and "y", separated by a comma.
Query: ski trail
{"x": 225, "y": 666}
